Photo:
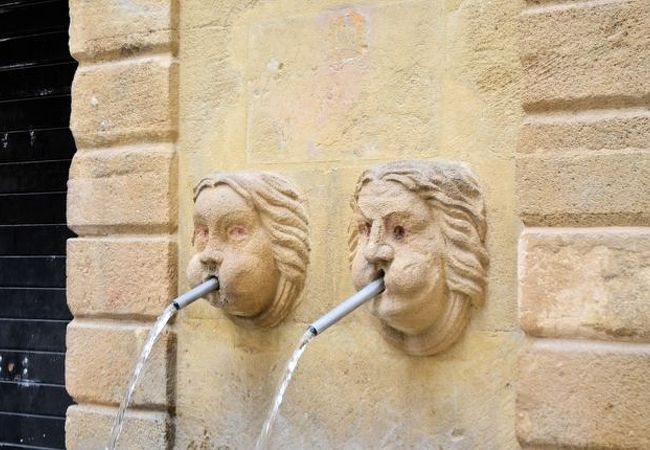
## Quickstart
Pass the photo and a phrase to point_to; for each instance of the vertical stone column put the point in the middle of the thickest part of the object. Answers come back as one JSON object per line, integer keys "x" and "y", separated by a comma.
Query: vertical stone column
{"x": 122, "y": 204}
{"x": 583, "y": 171}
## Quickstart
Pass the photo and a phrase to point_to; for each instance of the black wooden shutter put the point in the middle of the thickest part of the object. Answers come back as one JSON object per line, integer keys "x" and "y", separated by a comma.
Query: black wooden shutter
{"x": 36, "y": 148}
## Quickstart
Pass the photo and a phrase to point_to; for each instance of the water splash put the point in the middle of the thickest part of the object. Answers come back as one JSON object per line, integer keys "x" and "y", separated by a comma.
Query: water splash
{"x": 263, "y": 440}
{"x": 154, "y": 333}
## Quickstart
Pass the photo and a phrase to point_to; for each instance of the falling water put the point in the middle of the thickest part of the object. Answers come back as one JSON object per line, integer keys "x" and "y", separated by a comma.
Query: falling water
{"x": 263, "y": 440}
{"x": 154, "y": 333}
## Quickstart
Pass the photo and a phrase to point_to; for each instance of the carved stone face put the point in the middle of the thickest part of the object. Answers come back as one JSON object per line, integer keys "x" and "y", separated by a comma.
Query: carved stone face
{"x": 420, "y": 224}
{"x": 398, "y": 236}
{"x": 231, "y": 243}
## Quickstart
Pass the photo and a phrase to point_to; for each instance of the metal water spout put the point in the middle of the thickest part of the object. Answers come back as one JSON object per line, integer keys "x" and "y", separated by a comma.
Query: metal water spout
{"x": 189, "y": 297}
{"x": 347, "y": 306}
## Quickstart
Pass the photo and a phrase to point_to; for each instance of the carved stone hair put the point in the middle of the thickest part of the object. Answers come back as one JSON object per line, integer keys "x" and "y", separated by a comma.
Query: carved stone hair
{"x": 282, "y": 214}
{"x": 452, "y": 190}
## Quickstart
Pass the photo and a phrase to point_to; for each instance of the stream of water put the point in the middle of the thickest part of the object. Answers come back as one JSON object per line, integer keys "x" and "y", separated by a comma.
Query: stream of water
{"x": 263, "y": 440}
{"x": 154, "y": 333}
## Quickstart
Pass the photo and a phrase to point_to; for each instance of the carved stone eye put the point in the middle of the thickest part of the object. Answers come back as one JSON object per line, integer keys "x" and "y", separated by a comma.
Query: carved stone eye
{"x": 399, "y": 232}
{"x": 201, "y": 234}
{"x": 237, "y": 232}
{"x": 364, "y": 228}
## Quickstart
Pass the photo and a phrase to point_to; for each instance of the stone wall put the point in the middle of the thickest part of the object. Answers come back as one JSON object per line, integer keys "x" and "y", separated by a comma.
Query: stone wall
{"x": 168, "y": 91}
{"x": 584, "y": 258}
{"x": 122, "y": 203}
{"x": 318, "y": 91}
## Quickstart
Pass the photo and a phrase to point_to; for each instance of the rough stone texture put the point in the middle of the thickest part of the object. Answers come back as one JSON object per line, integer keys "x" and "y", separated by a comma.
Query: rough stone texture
{"x": 582, "y": 54}
{"x": 134, "y": 27}
{"x": 131, "y": 189}
{"x": 100, "y": 357}
{"x": 122, "y": 102}
{"x": 340, "y": 50}
{"x": 424, "y": 80}
{"x": 351, "y": 390}
{"x": 132, "y": 276}
{"x": 582, "y": 395}
{"x": 607, "y": 129}
{"x": 585, "y": 283}
{"x": 88, "y": 427}
{"x": 603, "y": 189}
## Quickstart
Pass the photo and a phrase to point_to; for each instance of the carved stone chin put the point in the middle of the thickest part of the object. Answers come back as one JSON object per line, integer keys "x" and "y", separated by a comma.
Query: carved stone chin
{"x": 422, "y": 225}
{"x": 251, "y": 231}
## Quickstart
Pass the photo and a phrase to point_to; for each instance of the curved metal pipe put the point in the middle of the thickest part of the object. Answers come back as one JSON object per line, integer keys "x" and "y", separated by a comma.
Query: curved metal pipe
{"x": 347, "y": 306}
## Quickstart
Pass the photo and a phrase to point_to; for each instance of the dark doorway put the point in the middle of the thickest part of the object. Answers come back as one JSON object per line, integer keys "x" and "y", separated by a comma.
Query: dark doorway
{"x": 36, "y": 148}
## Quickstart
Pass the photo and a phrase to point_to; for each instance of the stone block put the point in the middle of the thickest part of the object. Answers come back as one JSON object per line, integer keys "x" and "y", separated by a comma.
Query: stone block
{"x": 101, "y": 355}
{"x": 583, "y": 395}
{"x": 123, "y": 190}
{"x": 135, "y": 277}
{"x": 326, "y": 99}
{"x": 585, "y": 54}
{"x": 613, "y": 129}
{"x": 124, "y": 102}
{"x": 595, "y": 189}
{"x": 88, "y": 427}
{"x": 585, "y": 283}
{"x": 113, "y": 28}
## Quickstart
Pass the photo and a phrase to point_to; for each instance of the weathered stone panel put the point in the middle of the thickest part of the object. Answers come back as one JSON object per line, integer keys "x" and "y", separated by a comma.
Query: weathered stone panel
{"x": 122, "y": 102}
{"x": 323, "y": 99}
{"x": 583, "y": 395}
{"x": 585, "y": 283}
{"x": 123, "y": 190}
{"x": 131, "y": 276}
{"x": 100, "y": 358}
{"x": 88, "y": 427}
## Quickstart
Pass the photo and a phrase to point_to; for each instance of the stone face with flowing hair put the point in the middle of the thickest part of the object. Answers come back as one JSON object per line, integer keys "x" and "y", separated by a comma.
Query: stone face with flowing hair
{"x": 422, "y": 224}
{"x": 261, "y": 254}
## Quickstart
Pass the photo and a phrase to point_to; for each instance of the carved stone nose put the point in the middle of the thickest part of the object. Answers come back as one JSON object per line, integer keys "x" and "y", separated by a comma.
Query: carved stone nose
{"x": 211, "y": 261}
{"x": 378, "y": 252}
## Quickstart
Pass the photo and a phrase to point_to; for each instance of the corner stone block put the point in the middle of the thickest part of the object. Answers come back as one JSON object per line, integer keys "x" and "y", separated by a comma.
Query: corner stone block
{"x": 591, "y": 52}
{"x": 134, "y": 27}
{"x": 603, "y": 189}
{"x": 123, "y": 190}
{"x": 585, "y": 283}
{"x": 101, "y": 356}
{"x": 88, "y": 427}
{"x": 121, "y": 276}
{"x": 124, "y": 102}
{"x": 583, "y": 395}
{"x": 586, "y": 131}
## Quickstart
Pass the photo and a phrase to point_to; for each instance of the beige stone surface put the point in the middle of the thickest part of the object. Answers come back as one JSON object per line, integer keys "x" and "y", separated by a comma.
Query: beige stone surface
{"x": 351, "y": 390}
{"x": 88, "y": 427}
{"x": 348, "y": 59}
{"x": 586, "y": 54}
{"x": 121, "y": 276}
{"x": 586, "y": 131}
{"x": 126, "y": 189}
{"x": 115, "y": 28}
{"x": 601, "y": 189}
{"x": 126, "y": 101}
{"x": 585, "y": 283}
{"x": 101, "y": 354}
{"x": 366, "y": 83}
{"x": 583, "y": 395}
